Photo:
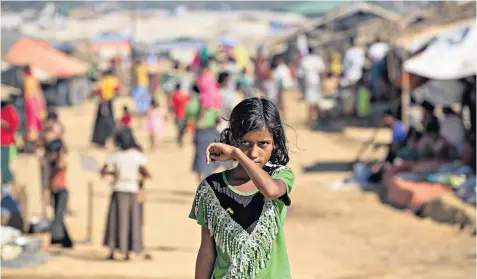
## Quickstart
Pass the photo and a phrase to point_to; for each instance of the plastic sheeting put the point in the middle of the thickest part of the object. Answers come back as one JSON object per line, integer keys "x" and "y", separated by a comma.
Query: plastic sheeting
{"x": 39, "y": 54}
{"x": 451, "y": 56}
{"x": 440, "y": 92}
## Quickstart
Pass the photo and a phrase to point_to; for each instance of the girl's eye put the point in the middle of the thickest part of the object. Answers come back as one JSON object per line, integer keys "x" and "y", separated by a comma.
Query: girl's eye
{"x": 244, "y": 143}
{"x": 264, "y": 143}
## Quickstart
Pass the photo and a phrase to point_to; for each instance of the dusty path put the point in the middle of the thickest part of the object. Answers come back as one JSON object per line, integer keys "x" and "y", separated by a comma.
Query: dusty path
{"x": 343, "y": 234}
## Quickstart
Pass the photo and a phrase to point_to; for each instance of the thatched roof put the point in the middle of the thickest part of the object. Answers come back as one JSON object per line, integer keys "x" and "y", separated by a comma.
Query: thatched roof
{"x": 347, "y": 11}
{"x": 319, "y": 35}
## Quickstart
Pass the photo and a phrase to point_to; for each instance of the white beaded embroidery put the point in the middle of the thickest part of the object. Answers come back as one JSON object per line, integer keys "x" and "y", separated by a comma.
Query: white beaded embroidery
{"x": 248, "y": 253}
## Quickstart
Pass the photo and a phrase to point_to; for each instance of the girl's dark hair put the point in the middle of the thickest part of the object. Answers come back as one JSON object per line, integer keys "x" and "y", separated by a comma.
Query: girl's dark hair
{"x": 124, "y": 139}
{"x": 254, "y": 114}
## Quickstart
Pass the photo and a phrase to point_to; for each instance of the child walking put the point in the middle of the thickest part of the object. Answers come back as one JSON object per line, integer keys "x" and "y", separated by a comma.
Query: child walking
{"x": 126, "y": 119}
{"x": 242, "y": 211}
{"x": 154, "y": 122}
{"x": 179, "y": 101}
{"x": 56, "y": 153}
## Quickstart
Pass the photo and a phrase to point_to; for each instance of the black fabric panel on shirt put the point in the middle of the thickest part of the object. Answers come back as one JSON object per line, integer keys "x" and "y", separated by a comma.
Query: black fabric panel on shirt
{"x": 245, "y": 210}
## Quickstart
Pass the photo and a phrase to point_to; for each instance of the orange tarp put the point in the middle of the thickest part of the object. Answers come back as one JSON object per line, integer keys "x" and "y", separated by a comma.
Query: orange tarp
{"x": 39, "y": 54}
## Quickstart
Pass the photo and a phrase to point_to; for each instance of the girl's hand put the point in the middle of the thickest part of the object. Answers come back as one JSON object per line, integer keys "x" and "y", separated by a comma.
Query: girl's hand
{"x": 219, "y": 152}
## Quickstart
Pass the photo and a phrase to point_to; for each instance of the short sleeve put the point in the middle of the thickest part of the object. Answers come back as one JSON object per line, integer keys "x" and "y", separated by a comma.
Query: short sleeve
{"x": 111, "y": 159}
{"x": 198, "y": 210}
{"x": 286, "y": 175}
{"x": 141, "y": 159}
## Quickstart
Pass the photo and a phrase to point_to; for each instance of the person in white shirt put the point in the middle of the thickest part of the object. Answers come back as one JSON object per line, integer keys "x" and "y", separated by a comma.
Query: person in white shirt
{"x": 279, "y": 81}
{"x": 377, "y": 50}
{"x": 312, "y": 67}
{"x": 282, "y": 74}
{"x": 124, "y": 225}
{"x": 353, "y": 63}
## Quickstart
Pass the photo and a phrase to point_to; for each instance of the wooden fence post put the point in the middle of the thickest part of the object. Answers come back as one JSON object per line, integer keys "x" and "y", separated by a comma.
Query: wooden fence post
{"x": 90, "y": 213}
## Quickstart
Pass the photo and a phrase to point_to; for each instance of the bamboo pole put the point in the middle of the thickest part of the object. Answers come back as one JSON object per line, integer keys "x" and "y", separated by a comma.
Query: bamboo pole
{"x": 406, "y": 94}
{"x": 90, "y": 213}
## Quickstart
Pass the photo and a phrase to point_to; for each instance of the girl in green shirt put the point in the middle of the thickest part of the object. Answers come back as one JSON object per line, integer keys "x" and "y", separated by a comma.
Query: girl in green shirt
{"x": 242, "y": 211}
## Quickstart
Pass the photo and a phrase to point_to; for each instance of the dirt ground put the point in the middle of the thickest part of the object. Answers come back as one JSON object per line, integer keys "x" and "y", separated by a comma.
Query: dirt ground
{"x": 344, "y": 234}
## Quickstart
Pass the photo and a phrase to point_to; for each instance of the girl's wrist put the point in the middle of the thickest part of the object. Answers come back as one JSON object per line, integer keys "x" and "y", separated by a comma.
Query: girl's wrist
{"x": 235, "y": 153}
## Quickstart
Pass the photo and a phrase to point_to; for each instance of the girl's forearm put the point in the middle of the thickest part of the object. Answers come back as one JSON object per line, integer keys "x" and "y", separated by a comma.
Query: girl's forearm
{"x": 270, "y": 188}
{"x": 204, "y": 265}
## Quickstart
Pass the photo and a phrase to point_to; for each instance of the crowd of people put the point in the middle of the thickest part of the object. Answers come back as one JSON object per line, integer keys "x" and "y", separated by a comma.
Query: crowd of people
{"x": 218, "y": 102}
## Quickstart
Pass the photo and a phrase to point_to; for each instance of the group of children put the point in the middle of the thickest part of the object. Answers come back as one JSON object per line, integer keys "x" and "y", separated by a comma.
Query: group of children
{"x": 156, "y": 116}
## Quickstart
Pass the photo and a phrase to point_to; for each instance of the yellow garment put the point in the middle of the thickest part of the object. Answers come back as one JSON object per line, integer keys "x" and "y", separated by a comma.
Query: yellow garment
{"x": 336, "y": 63}
{"x": 33, "y": 91}
{"x": 142, "y": 74}
{"x": 32, "y": 87}
{"x": 241, "y": 56}
{"x": 107, "y": 86}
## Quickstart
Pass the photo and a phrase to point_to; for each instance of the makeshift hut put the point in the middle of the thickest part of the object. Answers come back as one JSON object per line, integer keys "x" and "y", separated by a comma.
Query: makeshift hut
{"x": 109, "y": 45}
{"x": 63, "y": 77}
{"x": 334, "y": 27}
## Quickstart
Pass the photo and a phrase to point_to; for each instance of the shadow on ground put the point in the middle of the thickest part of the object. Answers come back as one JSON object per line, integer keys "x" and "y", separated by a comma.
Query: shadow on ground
{"x": 150, "y": 198}
{"x": 335, "y": 166}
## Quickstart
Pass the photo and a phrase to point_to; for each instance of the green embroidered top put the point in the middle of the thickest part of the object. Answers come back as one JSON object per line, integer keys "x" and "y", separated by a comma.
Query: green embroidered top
{"x": 246, "y": 227}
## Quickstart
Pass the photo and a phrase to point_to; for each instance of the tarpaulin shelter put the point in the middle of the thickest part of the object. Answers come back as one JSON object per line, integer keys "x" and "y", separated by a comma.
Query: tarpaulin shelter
{"x": 66, "y": 82}
{"x": 451, "y": 56}
{"x": 111, "y": 44}
{"x": 39, "y": 54}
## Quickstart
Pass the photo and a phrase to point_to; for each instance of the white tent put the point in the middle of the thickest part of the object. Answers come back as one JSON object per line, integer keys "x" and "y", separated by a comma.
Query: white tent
{"x": 451, "y": 56}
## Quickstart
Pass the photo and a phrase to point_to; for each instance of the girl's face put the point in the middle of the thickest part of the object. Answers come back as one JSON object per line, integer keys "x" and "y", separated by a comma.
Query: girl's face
{"x": 257, "y": 145}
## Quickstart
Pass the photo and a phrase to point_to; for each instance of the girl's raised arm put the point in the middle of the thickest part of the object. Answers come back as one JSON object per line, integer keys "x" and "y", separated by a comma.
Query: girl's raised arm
{"x": 269, "y": 187}
{"x": 204, "y": 265}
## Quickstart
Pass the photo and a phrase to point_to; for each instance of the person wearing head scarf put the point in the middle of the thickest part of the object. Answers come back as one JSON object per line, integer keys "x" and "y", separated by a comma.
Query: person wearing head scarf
{"x": 209, "y": 88}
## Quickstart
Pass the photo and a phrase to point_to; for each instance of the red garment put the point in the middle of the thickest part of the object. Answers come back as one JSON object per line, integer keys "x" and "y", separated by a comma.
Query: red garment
{"x": 209, "y": 88}
{"x": 179, "y": 99}
{"x": 58, "y": 180}
{"x": 126, "y": 120}
{"x": 260, "y": 69}
{"x": 9, "y": 114}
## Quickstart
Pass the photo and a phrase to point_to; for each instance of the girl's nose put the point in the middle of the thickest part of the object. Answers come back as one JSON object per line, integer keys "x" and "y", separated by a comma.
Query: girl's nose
{"x": 254, "y": 152}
